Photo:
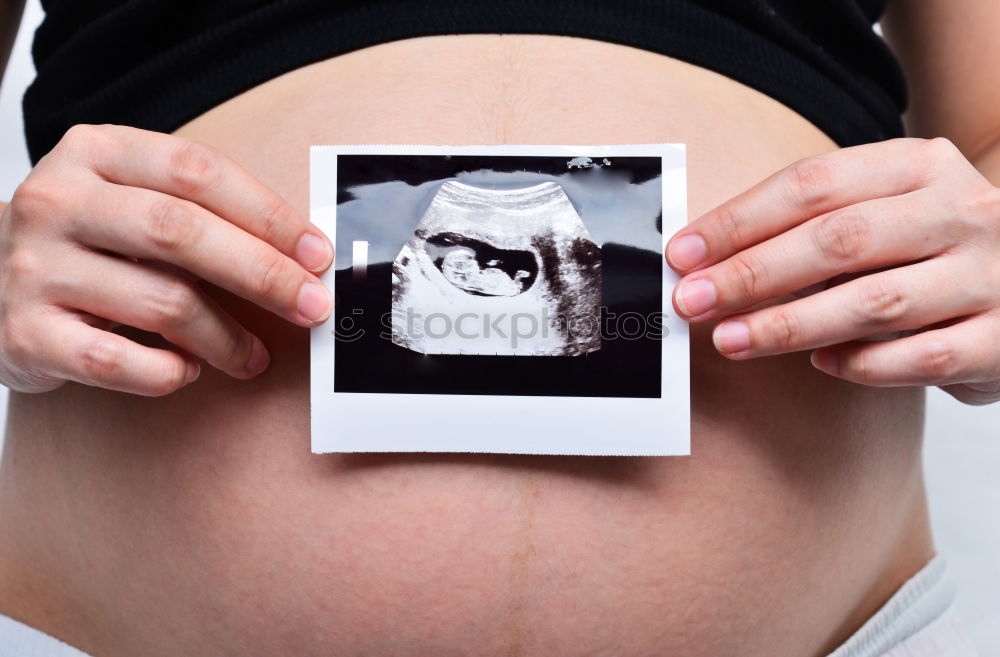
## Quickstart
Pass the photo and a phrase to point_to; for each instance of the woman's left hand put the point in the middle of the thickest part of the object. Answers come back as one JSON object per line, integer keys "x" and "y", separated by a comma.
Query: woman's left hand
{"x": 914, "y": 222}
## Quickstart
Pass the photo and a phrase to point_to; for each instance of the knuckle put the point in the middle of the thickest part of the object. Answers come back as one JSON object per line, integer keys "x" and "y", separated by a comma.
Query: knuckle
{"x": 938, "y": 361}
{"x": 860, "y": 367}
{"x": 812, "y": 180}
{"x": 978, "y": 205}
{"x": 17, "y": 346}
{"x": 844, "y": 236}
{"x": 23, "y": 264}
{"x": 939, "y": 148}
{"x": 276, "y": 217}
{"x": 172, "y": 304}
{"x": 195, "y": 168}
{"x": 749, "y": 279}
{"x": 34, "y": 199}
{"x": 173, "y": 378}
{"x": 786, "y": 330}
{"x": 172, "y": 226}
{"x": 733, "y": 224}
{"x": 270, "y": 280}
{"x": 101, "y": 359}
{"x": 933, "y": 153}
{"x": 884, "y": 304}
{"x": 83, "y": 136}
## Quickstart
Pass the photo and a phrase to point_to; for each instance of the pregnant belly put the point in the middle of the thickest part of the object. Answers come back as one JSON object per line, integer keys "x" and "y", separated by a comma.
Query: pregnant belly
{"x": 200, "y": 524}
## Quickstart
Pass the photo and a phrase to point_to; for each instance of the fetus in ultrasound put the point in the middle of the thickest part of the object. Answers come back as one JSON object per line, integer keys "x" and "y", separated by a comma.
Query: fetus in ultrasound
{"x": 498, "y": 272}
{"x": 478, "y": 268}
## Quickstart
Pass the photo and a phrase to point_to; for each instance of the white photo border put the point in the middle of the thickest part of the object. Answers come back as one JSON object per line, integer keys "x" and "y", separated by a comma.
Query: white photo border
{"x": 599, "y": 426}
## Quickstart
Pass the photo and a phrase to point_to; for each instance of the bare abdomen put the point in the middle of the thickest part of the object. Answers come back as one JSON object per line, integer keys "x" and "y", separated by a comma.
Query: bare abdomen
{"x": 200, "y": 523}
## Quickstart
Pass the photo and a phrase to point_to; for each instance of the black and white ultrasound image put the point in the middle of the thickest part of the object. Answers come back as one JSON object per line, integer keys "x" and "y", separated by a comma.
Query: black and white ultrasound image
{"x": 499, "y": 275}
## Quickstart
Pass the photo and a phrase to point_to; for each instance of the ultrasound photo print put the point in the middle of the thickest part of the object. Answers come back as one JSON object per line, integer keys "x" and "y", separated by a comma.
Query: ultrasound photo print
{"x": 500, "y": 275}
{"x": 510, "y": 299}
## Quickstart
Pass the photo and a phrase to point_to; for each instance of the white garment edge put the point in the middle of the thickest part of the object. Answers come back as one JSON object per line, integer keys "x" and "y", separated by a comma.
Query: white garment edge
{"x": 20, "y": 640}
{"x": 917, "y": 621}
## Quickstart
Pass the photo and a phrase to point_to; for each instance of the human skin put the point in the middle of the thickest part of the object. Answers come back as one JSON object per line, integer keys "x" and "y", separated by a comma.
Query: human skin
{"x": 914, "y": 206}
{"x": 198, "y": 523}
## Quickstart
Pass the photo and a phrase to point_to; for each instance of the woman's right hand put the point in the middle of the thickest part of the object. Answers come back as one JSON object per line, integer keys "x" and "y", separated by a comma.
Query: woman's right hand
{"x": 116, "y": 226}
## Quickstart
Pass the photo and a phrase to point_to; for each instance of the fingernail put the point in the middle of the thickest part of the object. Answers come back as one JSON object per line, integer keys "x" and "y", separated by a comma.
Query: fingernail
{"x": 314, "y": 302}
{"x": 687, "y": 252}
{"x": 259, "y": 358}
{"x": 313, "y": 252}
{"x": 731, "y": 337}
{"x": 192, "y": 371}
{"x": 696, "y": 297}
{"x": 824, "y": 360}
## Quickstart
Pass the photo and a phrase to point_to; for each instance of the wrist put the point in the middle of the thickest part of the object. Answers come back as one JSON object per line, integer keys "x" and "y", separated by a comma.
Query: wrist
{"x": 988, "y": 163}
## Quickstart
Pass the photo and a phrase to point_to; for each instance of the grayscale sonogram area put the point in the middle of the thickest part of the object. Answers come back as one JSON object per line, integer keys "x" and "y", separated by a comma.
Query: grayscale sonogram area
{"x": 506, "y": 272}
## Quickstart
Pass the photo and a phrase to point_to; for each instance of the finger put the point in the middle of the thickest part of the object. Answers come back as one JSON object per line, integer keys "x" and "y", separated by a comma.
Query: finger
{"x": 806, "y": 189}
{"x": 146, "y": 224}
{"x": 195, "y": 172}
{"x": 893, "y": 300}
{"x": 961, "y": 353}
{"x": 155, "y": 300}
{"x": 860, "y": 237}
{"x": 75, "y": 351}
{"x": 975, "y": 394}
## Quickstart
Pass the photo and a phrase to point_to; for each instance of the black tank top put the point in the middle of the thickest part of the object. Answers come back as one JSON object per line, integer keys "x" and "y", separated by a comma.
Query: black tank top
{"x": 156, "y": 64}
